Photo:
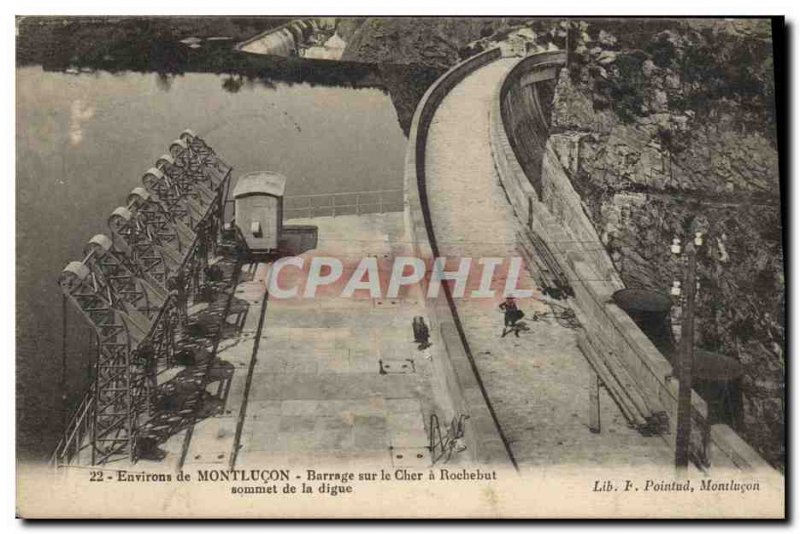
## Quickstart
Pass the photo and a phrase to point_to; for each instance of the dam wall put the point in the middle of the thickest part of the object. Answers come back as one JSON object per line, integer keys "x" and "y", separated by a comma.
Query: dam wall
{"x": 281, "y": 41}
{"x": 457, "y": 373}
{"x": 532, "y": 81}
{"x": 535, "y": 170}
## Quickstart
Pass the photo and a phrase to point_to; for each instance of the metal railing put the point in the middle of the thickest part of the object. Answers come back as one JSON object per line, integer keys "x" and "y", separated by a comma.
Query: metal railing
{"x": 73, "y": 440}
{"x": 442, "y": 446}
{"x": 350, "y": 203}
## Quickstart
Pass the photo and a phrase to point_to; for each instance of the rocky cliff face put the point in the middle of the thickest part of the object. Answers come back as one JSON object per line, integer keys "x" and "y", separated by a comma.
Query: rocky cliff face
{"x": 406, "y": 85}
{"x": 670, "y": 129}
{"x": 430, "y": 41}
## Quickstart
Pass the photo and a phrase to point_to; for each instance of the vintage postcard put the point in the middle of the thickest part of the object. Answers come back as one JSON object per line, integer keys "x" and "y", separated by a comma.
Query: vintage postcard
{"x": 399, "y": 267}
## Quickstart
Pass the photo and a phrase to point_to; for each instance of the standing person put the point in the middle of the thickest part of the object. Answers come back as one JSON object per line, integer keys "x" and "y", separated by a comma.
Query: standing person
{"x": 511, "y": 314}
{"x": 421, "y": 333}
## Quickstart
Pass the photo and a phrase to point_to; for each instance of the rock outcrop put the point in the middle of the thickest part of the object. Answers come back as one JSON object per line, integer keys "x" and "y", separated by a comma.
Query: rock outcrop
{"x": 430, "y": 41}
{"x": 668, "y": 128}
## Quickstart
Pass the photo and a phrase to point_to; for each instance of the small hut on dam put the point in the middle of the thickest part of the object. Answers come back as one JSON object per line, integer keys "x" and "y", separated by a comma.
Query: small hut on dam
{"x": 258, "y": 198}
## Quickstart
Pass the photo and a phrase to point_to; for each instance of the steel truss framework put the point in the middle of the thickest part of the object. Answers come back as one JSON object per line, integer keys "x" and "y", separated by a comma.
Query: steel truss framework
{"x": 133, "y": 289}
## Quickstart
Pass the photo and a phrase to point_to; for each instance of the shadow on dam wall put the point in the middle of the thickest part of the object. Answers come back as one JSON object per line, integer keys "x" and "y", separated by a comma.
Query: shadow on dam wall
{"x": 526, "y": 107}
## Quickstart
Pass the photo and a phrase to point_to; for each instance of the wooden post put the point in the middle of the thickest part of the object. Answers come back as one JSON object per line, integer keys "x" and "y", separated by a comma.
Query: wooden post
{"x": 89, "y": 360}
{"x": 96, "y": 402}
{"x": 684, "y": 424}
{"x": 594, "y": 403}
{"x": 64, "y": 363}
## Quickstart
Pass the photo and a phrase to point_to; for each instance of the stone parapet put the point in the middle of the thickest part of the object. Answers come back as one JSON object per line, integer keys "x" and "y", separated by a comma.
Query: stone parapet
{"x": 545, "y": 201}
{"x": 457, "y": 372}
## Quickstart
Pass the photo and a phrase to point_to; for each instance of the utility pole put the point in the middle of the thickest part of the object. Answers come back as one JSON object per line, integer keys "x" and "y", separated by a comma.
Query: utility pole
{"x": 594, "y": 404}
{"x": 686, "y": 355}
{"x": 64, "y": 395}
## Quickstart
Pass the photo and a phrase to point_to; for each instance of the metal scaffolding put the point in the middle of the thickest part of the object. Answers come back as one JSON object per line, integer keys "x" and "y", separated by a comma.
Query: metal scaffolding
{"x": 133, "y": 289}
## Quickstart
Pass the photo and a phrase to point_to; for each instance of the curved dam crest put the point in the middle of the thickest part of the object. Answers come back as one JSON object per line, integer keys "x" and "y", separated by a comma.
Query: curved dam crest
{"x": 435, "y": 169}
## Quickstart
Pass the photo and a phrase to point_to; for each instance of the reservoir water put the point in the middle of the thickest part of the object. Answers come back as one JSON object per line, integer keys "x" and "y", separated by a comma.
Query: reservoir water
{"x": 83, "y": 142}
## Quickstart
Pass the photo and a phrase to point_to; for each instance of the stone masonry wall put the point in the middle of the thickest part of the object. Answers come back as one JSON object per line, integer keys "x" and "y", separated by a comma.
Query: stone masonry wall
{"x": 484, "y": 442}
{"x": 561, "y": 219}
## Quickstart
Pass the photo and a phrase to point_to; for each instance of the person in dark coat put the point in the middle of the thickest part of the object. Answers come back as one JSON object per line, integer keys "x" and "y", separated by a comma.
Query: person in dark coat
{"x": 511, "y": 314}
{"x": 421, "y": 333}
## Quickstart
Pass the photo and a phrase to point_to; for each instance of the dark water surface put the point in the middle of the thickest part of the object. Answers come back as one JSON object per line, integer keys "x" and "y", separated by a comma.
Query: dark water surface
{"x": 84, "y": 141}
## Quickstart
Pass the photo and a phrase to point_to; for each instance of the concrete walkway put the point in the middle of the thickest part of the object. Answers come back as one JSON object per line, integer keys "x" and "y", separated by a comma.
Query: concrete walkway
{"x": 336, "y": 380}
{"x": 537, "y": 383}
{"x": 321, "y": 382}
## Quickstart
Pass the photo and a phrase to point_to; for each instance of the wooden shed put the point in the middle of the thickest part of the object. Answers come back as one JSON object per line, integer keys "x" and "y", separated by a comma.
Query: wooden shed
{"x": 258, "y": 198}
